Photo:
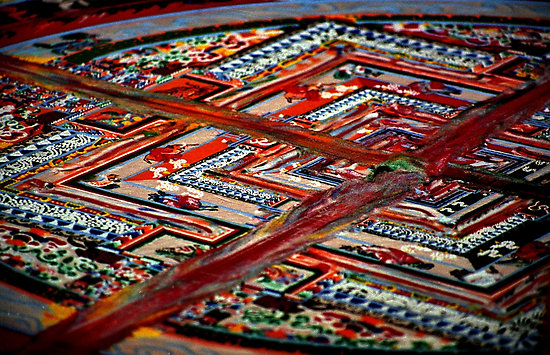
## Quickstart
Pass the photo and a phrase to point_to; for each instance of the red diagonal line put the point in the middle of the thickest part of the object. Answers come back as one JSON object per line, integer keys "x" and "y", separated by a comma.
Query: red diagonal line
{"x": 112, "y": 319}
{"x": 191, "y": 111}
{"x": 471, "y": 127}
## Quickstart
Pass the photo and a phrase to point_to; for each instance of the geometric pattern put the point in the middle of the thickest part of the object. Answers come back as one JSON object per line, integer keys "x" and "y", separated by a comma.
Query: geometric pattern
{"x": 225, "y": 178}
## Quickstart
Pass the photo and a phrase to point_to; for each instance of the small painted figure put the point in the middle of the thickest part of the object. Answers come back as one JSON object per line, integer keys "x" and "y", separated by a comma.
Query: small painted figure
{"x": 163, "y": 154}
{"x": 180, "y": 201}
{"x": 109, "y": 181}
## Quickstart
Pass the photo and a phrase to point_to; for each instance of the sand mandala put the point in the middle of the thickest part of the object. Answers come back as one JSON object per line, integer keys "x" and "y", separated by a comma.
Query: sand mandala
{"x": 274, "y": 177}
